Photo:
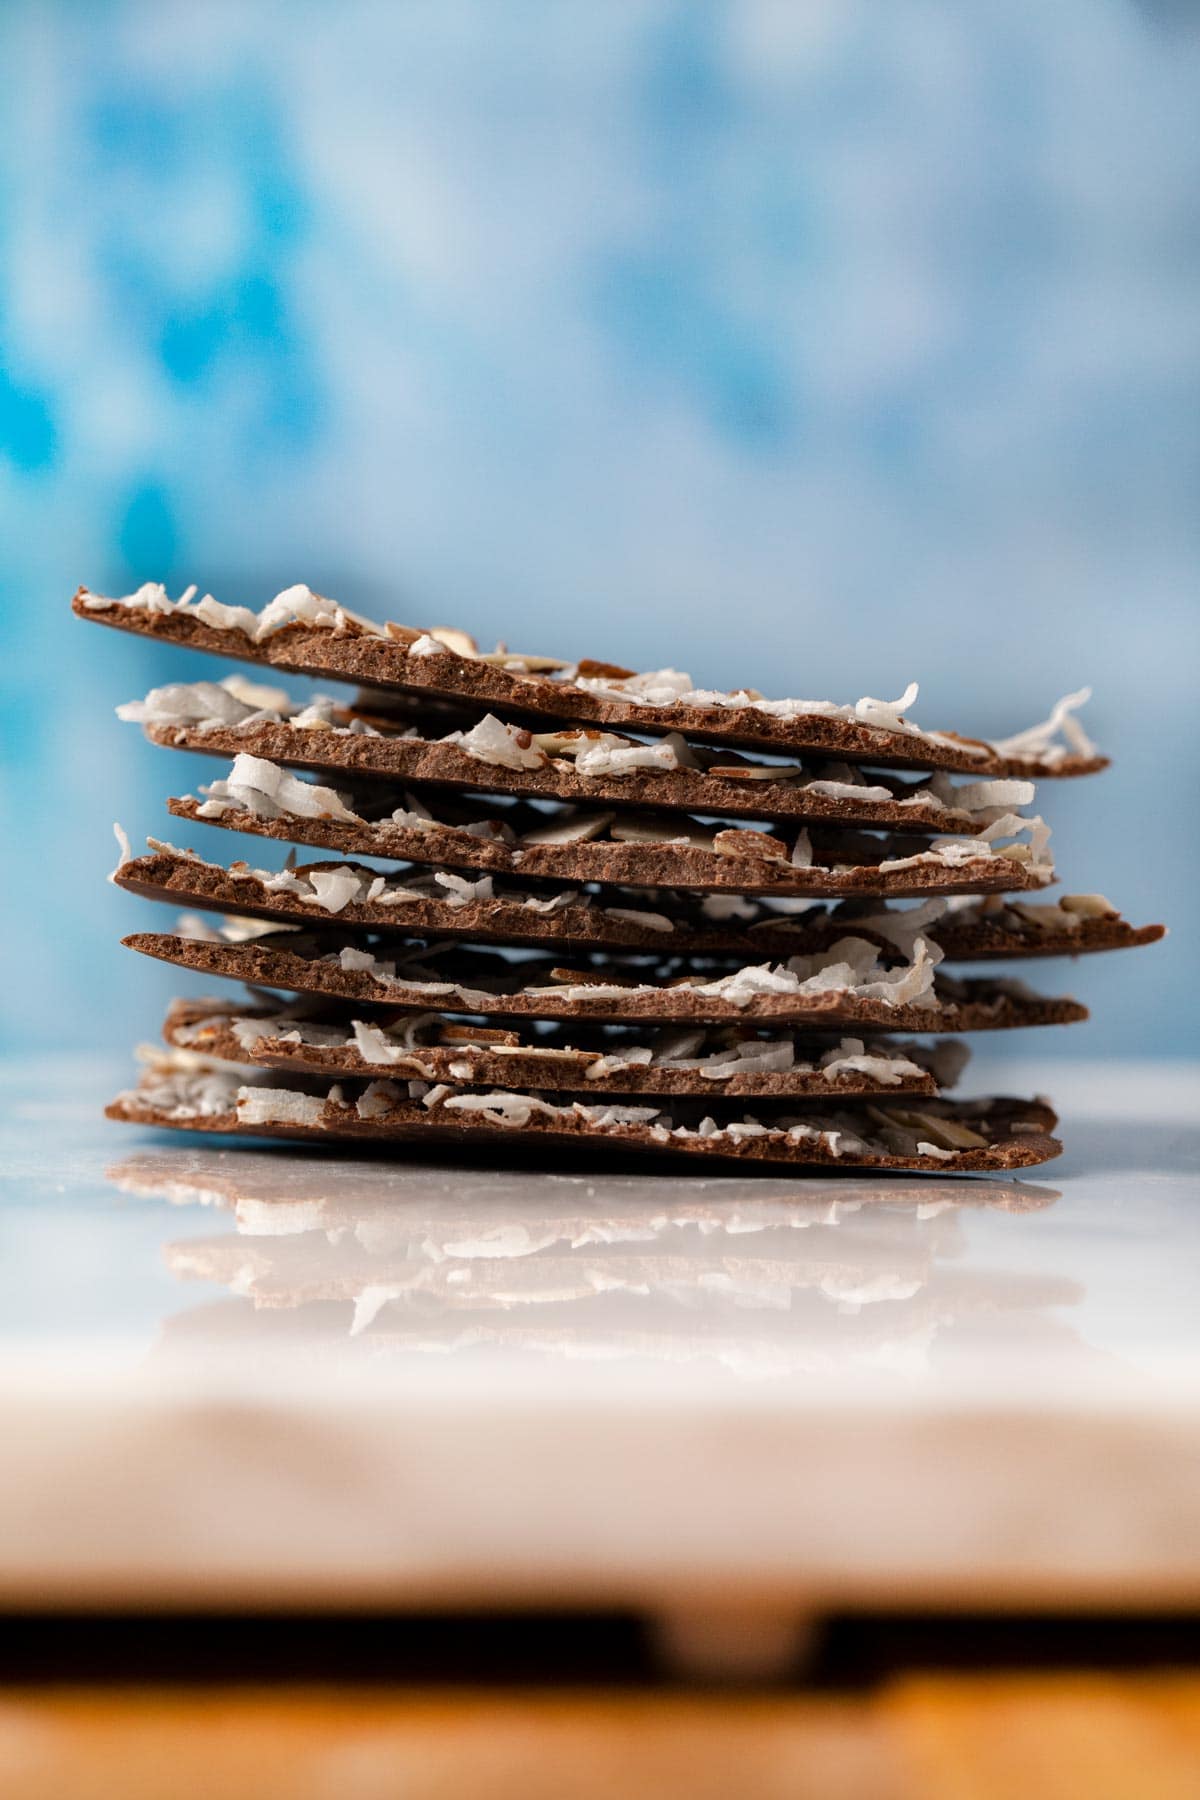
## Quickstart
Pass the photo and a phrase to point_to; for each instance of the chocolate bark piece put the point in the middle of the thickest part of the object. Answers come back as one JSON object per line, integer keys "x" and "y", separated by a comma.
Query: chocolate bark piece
{"x": 559, "y": 1059}
{"x": 969, "y": 935}
{"x": 353, "y": 653}
{"x": 608, "y": 861}
{"x": 522, "y": 914}
{"x": 1002, "y": 1133}
{"x": 274, "y": 962}
{"x": 419, "y": 762}
{"x": 983, "y": 932}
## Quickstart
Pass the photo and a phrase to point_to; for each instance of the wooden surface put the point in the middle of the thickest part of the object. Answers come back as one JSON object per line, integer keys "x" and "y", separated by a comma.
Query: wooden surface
{"x": 918, "y": 1738}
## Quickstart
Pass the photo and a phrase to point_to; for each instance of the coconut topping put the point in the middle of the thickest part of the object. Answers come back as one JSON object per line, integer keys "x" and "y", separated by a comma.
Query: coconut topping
{"x": 339, "y": 885}
{"x": 504, "y": 746}
{"x": 999, "y": 839}
{"x": 1039, "y": 742}
{"x": 852, "y": 966}
{"x": 277, "y": 1106}
{"x": 269, "y": 792}
{"x": 294, "y": 606}
{"x": 238, "y": 705}
{"x": 182, "y": 1085}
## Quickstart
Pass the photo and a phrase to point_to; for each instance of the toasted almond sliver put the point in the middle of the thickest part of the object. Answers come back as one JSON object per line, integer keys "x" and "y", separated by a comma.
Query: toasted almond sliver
{"x": 460, "y": 642}
{"x": 662, "y": 828}
{"x": 592, "y": 670}
{"x": 535, "y": 665}
{"x": 947, "y": 1134}
{"x": 750, "y": 843}
{"x": 595, "y": 978}
{"x": 571, "y": 739}
{"x": 757, "y": 771}
{"x": 476, "y": 1034}
{"x": 402, "y": 634}
{"x": 575, "y": 829}
{"x": 1089, "y": 906}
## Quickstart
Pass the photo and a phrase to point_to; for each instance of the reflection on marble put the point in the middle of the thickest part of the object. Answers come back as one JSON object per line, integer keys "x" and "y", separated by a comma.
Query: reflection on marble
{"x": 235, "y": 1377}
{"x": 763, "y": 1277}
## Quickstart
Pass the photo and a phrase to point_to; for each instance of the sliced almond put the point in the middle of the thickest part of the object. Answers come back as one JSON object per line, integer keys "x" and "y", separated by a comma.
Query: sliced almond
{"x": 402, "y": 634}
{"x": 662, "y": 828}
{"x": 506, "y": 659}
{"x": 460, "y": 642}
{"x": 476, "y": 1034}
{"x": 592, "y": 670}
{"x": 758, "y": 771}
{"x": 595, "y": 978}
{"x": 750, "y": 843}
{"x": 947, "y": 1134}
{"x": 565, "y": 743}
{"x": 575, "y": 828}
{"x": 1089, "y": 906}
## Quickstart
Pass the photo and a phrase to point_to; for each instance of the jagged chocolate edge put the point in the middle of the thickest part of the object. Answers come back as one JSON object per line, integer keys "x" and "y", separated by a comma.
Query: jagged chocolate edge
{"x": 562, "y": 1072}
{"x": 355, "y": 656}
{"x": 985, "y": 941}
{"x": 618, "y": 864}
{"x": 272, "y": 967}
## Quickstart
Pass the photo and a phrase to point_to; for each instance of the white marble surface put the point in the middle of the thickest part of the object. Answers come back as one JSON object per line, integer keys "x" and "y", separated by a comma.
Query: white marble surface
{"x": 234, "y": 1376}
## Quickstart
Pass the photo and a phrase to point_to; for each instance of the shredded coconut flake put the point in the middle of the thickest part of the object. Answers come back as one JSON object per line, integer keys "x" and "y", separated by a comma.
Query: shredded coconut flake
{"x": 277, "y": 1106}
{"x": 294, "y": 606}
{"x": 264, "y": 789}
{"x": 1037, "y": 742}
{"x": 503, "y": 746}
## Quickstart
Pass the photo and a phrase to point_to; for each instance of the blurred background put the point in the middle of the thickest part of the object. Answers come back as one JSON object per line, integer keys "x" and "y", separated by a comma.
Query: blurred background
{"x": 818, "y": 346}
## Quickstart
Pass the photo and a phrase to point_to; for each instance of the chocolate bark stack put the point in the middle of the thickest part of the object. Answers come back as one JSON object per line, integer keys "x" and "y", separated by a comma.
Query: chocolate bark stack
{"x": 577, "y": 906}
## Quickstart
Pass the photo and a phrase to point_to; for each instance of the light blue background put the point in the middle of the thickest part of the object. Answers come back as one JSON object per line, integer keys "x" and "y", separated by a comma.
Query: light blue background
{"x": 820, "y": 346}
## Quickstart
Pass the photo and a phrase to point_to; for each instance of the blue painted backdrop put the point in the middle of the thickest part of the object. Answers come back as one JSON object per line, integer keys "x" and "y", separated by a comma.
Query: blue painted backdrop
{"x": 817, "y": 345}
